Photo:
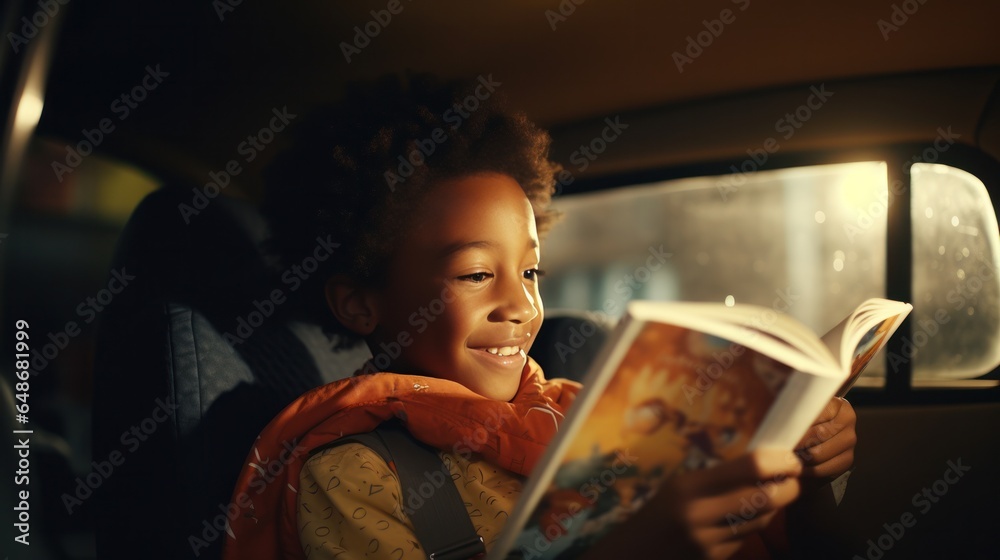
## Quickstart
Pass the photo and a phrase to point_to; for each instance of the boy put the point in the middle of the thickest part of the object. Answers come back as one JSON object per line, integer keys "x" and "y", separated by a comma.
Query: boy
{"x": 459, "y": 225}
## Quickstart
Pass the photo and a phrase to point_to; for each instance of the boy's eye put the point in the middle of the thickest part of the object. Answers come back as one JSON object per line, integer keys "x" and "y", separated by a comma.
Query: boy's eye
{"x": 475, "y": 277}
{"x": 533, "y": 274}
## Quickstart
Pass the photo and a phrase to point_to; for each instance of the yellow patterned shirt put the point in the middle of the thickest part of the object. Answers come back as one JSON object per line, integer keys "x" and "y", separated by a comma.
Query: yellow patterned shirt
{"x": 350, "y": 504}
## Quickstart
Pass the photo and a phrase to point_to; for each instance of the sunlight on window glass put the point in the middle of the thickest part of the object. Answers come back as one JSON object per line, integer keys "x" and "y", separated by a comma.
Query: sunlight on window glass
{"x": 808, "y": 240}
{"x": 956, "y": 292}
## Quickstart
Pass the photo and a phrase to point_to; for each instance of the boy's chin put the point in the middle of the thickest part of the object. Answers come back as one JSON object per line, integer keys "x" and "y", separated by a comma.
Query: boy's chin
{"x": 497, "y": 393}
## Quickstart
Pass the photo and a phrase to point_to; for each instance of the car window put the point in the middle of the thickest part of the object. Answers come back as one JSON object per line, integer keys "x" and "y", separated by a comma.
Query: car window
{"x": 809, "y": 241}
{"x": 956, "y": 312}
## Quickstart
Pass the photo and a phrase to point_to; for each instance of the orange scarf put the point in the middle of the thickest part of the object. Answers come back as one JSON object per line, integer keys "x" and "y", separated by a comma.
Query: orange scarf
{"x": 441, "y": 413}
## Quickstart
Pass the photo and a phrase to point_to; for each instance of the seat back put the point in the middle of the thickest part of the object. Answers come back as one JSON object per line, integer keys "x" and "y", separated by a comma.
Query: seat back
{"x": 188, "y": 370}
{"x": 569, "y": 341}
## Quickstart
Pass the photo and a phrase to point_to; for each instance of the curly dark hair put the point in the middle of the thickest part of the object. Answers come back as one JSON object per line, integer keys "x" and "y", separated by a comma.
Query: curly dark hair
{"x": 354, "y": 169}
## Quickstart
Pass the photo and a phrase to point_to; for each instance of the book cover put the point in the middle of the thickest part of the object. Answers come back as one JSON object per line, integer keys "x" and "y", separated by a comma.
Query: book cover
{"x": 679, "y": 400}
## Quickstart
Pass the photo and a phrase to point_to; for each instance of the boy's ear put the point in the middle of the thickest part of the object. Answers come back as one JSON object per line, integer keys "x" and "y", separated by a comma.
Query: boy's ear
{"x": 352, "y": 305}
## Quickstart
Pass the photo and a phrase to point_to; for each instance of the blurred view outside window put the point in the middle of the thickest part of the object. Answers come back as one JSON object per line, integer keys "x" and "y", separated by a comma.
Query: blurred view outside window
{"x": 811, "y": 240}
{"x": 62, "y": 233}
{"x": 955, "y": 284}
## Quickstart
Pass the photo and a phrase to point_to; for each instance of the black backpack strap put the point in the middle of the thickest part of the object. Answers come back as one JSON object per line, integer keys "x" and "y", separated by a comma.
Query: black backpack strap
{"x": 440, "y": 520}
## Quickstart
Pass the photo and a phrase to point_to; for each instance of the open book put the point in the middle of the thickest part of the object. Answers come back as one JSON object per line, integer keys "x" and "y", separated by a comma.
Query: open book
{"x": 678, "y": 387}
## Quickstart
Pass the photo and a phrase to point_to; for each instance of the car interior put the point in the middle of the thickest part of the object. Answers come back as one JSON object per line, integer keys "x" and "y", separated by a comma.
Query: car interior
{"x": 814, "y": 154}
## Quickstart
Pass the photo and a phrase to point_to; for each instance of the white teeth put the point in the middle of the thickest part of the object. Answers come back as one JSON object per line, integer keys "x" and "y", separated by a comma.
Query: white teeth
{"x": 505, "y": 350}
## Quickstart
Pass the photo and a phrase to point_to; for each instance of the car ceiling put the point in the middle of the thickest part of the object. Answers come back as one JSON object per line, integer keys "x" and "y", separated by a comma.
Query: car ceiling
{"x": 230, "y": 65}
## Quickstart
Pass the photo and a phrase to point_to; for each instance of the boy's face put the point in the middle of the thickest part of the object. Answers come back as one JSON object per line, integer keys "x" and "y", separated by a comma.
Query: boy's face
{"x": 463, "y": 286}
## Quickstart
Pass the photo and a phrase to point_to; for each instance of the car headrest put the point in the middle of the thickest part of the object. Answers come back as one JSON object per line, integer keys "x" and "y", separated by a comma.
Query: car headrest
{"x": 569, "y": 341}
{"x": 189, "y": 352}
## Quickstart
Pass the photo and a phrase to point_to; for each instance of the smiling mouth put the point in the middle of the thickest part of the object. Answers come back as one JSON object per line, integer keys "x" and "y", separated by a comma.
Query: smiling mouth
{"x": 503, "y": 356}
{"x": 504, "y": 351}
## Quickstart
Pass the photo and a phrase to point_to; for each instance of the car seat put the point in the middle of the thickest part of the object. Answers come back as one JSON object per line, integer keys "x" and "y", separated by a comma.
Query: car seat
{"x": 177, "y": 405}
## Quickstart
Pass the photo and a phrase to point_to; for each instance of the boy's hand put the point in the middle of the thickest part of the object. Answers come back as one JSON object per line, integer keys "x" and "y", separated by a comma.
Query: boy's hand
{"x": 708, "y": 513}
{"x": 711, "y": 505}
{"x": 827, "y": 449}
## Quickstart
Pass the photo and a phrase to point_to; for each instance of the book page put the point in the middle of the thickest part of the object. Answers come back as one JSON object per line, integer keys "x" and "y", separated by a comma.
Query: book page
{"x": 775, "y": 333}
{"x": 834, "y": 338}
{"x": 871, "y": 342}
{"x": 875, "y": 314}
{"x": 679, "y": 400}
{"x": 859, "y": 337}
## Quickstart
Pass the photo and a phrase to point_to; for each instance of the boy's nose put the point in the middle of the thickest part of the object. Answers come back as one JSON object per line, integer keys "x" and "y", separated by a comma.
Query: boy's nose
{"x": 517, "y": 304}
